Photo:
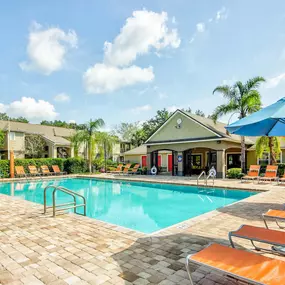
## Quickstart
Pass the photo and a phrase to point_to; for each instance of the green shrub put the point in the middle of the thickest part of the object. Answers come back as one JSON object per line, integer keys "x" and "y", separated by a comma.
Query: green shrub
{"x": 4, "y": 168}
{"x": 234, "y": 173}
{"x": 38, "y": 162}
{"x": 281, "y": 168}
{"x": 75, "y": 165}
{"x": 98, "y": 163}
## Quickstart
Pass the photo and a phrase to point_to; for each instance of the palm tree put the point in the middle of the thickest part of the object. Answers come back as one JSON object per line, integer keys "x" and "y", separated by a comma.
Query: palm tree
{"x": 105, "y": 143}
{"x": 243, "y": 99}
{"x": 268, "y": 144}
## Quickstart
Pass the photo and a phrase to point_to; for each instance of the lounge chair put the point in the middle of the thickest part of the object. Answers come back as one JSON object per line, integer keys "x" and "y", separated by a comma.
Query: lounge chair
{"x": 57, "y": 170}
{"x": 252, "y": 174}
{"x": 270, "y": 174}
{"x": 45, "y": 170}
{"x": 33, "y": 170}
{"x": 135, "y": 169}
{"x": 261, "y": 235}
{"x": 277, "y": 215}
{"x": 20, "y": 171}
{"x": 118, "y": 169}
{"x": 126, "y": 169}
{"x": 239, "y": 264}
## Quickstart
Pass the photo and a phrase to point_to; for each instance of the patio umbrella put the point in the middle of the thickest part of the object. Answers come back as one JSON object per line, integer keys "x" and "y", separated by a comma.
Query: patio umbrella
{"x": 269, "y": 121}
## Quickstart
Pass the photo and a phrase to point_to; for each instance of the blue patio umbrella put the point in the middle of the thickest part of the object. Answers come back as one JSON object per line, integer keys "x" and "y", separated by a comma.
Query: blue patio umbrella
{"x": 269, "y": 121}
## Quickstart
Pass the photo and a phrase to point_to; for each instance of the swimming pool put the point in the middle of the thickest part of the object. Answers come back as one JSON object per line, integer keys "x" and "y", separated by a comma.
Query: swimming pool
{"x": 140, "y": 206}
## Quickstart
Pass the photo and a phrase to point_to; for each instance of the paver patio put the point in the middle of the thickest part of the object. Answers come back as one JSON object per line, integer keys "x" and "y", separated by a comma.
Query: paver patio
{"x": 71, "y": 249}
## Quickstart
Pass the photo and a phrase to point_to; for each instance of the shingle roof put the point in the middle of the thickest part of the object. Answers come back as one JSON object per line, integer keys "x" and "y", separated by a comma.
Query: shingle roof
{"x": 55, "y": 134}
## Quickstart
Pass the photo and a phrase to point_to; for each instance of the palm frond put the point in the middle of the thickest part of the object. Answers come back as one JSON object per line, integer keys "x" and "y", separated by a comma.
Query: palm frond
{"x": 225, "y": 90}
{"x": 254, "y": 83}
{"x": 240, "y": 88}
{"x": 251, "y": 102}
{"x": 224, "y": 110}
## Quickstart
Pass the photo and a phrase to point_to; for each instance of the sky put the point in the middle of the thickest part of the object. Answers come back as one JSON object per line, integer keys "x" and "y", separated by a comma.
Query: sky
{"x": 124, "y": 60}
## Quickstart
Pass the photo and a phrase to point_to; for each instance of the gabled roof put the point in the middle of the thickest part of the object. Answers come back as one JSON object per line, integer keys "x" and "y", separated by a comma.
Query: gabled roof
{"x": 217, "y": 128}
{"x": 56, "y": 135}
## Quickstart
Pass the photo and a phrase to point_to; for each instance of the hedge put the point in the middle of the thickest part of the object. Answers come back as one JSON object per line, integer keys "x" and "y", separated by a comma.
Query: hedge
{"x": 234, "y": 173}
{"x": 70, "y": 165}
{"x": 75, "y": 165}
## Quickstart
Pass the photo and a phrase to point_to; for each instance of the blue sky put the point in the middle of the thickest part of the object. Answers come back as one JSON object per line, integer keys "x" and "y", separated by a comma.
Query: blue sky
{"x": 76, "y": 60}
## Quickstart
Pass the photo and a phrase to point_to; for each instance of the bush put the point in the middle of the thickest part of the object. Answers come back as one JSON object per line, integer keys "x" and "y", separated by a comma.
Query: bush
{"x": 234, "y": 173}
{"x": 281, "y": 168}
{"x": 4, "y": 168}
{"x": 38, "y": 162}
{"x": 75, "y": 165}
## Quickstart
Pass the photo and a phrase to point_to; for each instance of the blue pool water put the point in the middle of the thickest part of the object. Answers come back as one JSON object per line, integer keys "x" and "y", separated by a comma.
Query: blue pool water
{"x": 139, "y": 206}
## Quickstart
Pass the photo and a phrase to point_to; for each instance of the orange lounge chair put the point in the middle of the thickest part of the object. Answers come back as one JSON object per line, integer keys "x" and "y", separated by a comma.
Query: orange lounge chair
{"x": 261, "y": 235}
{"x": 239, "y": 264}
{"x": 57, "y": 170}
{"x": 20, "y": 172}
{"x": 252, "y": 174}
{"x": 270, "y": 174}
{"x": 126, "y": 169}
{"x": 118, "y": 169}
{"x": 277, "y": 215}
{"x": 33, "y": 170}
{"x": 45, "y": 170}
{"x": 135, "y": 169}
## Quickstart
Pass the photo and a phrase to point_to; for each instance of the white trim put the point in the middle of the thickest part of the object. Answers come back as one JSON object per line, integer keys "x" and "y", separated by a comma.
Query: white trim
{"x": 179, "y": 142}
{"x": 186, "y": 116}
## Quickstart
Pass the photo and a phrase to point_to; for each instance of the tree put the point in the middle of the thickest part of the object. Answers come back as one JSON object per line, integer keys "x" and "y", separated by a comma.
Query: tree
{"x": 20, "y": 120}
{"x": 126, "y": 130}
{"x": 2, "y": 138}
{"x": 4, "y": 117}
{"x": 88, "y": 134}
{"x": 268, "y": 144}
{"x": 138, "y": 138}
{"x": 77, "y": 140}
{"x": 188, "y": 110}
{"x": 34, "y": 146}
{"x": 242, "y": 99}
{"x": 200, "y": 113}
{"x": 105, "y": 143}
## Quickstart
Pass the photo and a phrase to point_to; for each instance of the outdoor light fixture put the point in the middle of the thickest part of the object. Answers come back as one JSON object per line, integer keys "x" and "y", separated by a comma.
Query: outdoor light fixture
{"x": 179, "y": 122}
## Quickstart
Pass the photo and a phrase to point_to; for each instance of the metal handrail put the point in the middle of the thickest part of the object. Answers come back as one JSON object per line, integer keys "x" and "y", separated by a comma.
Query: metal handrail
{"x": 67, "y": 191}
{"x": 205, "y": 178}
{"x": 210, "y": 176}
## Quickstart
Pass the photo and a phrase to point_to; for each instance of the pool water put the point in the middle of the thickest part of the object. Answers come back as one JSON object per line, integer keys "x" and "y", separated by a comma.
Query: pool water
{"x": 140, "y": 206}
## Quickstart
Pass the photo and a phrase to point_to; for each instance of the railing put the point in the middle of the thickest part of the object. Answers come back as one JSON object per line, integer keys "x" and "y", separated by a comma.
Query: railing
{"x": 203, "y": 173}
{"x": 71, "y": 205}
{"x": 206, "y": 178}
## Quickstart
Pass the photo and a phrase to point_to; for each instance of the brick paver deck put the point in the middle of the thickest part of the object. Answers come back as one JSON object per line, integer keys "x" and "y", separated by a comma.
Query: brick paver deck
{"x": 71, "y": 249}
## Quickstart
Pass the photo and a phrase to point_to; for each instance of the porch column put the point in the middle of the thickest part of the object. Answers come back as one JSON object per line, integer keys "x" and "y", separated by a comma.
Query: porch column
{"x": 221, "y": 163}
{"x": 180, "y": 163}
{"x": 148, "y": 162}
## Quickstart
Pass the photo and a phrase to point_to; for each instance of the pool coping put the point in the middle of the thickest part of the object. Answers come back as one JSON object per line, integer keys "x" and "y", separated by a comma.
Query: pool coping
{"x": 178, "y": 227}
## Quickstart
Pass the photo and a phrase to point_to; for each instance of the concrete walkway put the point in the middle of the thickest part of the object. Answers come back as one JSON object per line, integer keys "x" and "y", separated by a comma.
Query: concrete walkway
{"x": 71, "y": 249}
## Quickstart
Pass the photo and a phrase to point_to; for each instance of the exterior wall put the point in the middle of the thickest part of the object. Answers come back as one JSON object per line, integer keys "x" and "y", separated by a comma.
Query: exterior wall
{"x": 251, "y": 158}
{"x": 17, "y": 145}
{"x": 189, "y": 129}
{"x": 137, "y": 159}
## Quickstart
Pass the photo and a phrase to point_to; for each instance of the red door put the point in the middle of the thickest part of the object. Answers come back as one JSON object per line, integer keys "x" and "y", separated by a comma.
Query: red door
{"x": 159, "y": 160}
{"x": 143, "y": 160}
{"x": 170, "y": 162}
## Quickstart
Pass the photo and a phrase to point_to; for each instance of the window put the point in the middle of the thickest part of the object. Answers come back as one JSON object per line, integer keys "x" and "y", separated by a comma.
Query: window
{"x": 265, "y": 159}
{"x": 12, "y": 136}
{"x": 196, "y": 160}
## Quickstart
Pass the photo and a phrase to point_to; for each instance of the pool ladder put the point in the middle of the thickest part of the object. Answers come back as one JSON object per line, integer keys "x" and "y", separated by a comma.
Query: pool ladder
{"x": 206, "y": 178}
{"x": 65, "y": 206}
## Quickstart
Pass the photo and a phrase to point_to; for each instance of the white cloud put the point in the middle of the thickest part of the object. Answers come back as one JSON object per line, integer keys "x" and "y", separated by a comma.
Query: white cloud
{"x": 47, "y": 48}
{"x": 144, "y": 31}
{"x": 62, "y": 97}
{"x": 222, "y": 14}
{"x": 102, "y": 78}
{"x": 162, "y": 95}
{"x": 140, "y": 109}
{"x": 200, "y": 27}
{"x": 173, "y": 108}
{"x": 3, "y": 108}
{"x": 31, "y": 109}
{"x": 274, "y": 81}
{"x": 72, "y": 122}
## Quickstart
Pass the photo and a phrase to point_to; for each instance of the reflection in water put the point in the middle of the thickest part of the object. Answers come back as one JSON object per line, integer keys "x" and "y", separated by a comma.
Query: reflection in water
{"x": 140, "y": 206}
